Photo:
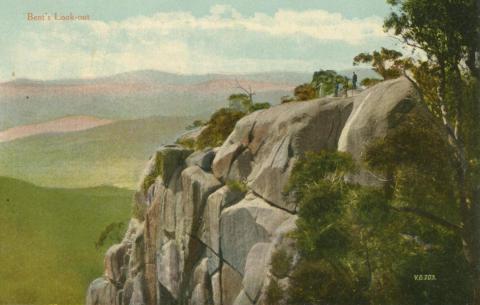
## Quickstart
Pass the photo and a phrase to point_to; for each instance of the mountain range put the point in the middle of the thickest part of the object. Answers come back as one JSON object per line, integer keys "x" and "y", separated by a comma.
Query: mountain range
{"x": 138, "y": 94}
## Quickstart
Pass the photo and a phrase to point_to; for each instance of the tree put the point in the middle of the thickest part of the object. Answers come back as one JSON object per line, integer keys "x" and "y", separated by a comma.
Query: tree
{"x": 448, "y": 31}
{"x": 324, "y": 82}
{"x": 387, "y": 62}
{"x": 244, "y": 101}
{"x": 240, "y": 102}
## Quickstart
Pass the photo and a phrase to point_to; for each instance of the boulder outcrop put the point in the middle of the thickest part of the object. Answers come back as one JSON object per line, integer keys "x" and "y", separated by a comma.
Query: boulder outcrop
{"x": 204, "y": 242}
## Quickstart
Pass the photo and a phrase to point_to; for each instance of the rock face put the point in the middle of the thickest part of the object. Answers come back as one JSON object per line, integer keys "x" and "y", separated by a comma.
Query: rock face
{"x": 375, "y": 111}
{"x": 202, "y": 242}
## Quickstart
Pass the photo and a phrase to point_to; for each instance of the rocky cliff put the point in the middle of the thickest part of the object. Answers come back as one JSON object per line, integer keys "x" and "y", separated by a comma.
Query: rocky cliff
{"x": 214, "y": 217}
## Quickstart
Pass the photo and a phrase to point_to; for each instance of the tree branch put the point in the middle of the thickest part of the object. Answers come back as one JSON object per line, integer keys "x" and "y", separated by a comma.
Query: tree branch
{"x": 407, "y": 42}
{"x": 427, "y": 215}
{"x": 248, "y": 92}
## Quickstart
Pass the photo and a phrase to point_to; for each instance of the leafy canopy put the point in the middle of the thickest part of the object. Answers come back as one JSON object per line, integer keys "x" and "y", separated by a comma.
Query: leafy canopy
{"x": 387, "y": 62}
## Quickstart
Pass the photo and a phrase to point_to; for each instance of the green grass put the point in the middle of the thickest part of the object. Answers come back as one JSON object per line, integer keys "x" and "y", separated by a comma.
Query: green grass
{"x": 114, "y": 154}
{"x": 47, "y": 240}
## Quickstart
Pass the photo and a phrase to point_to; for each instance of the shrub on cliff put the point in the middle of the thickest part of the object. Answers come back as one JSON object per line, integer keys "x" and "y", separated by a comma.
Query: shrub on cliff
{"x": 111, "y": 234}
{"x": 222, "y": 122}
{"x": 304, "y": 92}
{"x": 220, "y": 125}
{"x": 237, "y": 186}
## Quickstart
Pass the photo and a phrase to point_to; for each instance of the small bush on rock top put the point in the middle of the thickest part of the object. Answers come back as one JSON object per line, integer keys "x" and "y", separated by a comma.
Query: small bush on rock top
{"x": 219, "y": 127}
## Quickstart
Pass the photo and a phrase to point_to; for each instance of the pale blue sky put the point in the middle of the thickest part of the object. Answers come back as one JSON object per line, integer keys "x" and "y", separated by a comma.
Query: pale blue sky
{"x": 186, "y": 36}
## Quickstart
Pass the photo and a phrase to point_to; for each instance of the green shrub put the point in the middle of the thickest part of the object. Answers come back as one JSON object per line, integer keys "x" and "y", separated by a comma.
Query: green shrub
{"x": 304, "y": 92}
{"x": 187, "y": 143}
{"x": 259, "y": 106}
{"x": 237, "y": 186}
{"x": 320, "y": 282}
{"x": 363, "y": 245}
{"x": 149, "y": 179}
{"x": 164, "y": 163}
{"x": 281, "y": 263}
{"x": 219, "y": 127}
{"x": 111, "y": 234}
{"x": 274, "y": 293}
{"x": 313, "y": 167}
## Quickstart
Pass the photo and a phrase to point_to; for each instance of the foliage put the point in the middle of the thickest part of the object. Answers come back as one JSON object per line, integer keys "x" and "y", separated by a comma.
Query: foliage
{"x": 315, "y": 167}
{"x": 448, "y": 32}
{"x": 148, "y": 181}
{"x": 244, "y": 103}
{"x": 281, "y": 263}
{"x": 155, "y": 171}
{"x": 111, "y": 234}
{"x": 237, "y": 186}
{"x": 320, "y": 282}
{"x": 240, "y": 102}
{"x": 274, "y": 293}
{"x": 259, "y": 106}
{"x": 222, "y": 122}
{"x": 325, "y": 81}
{"x": 304, "y": 92}
{"x": 363, "y": 245}
{"x": 387, "y": 62}
{"x": 220, "y": 125}
{"x": 187, "y": 143}
{"x": 195, "y": 124}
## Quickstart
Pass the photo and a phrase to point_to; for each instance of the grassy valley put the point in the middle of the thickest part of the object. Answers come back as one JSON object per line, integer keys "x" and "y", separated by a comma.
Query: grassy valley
{"x": 113, "y": 154}
{"x": 47, "y": 240}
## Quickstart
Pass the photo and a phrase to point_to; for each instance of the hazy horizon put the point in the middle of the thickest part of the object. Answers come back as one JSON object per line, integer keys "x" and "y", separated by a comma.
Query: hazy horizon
{"x": 226, "y": 74}
{"x": 186, "y": 38}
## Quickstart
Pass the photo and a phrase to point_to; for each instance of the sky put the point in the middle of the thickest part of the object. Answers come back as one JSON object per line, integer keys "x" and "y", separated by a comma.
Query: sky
{"x": 186, "y": 36}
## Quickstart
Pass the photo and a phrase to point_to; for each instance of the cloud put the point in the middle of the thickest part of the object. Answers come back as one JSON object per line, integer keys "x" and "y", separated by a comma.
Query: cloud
{"x": 315, "y": 24}
{"x": 221, "y": 41}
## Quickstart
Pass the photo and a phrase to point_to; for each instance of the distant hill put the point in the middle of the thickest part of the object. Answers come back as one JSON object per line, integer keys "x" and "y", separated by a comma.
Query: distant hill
{"x": 47, "y": 239}
{"x": 62, "y": 125}
{"x": 132, "y": 95}
{"x": 113, "y": 154}
{"x": 138, "y": 94}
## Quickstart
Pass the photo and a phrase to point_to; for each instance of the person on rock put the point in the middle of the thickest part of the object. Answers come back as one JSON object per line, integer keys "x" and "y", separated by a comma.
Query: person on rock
{"x": 354, "y": 80}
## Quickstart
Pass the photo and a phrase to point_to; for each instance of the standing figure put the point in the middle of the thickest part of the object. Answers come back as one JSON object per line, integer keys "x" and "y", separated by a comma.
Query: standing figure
{"x": 354, "y": 80}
